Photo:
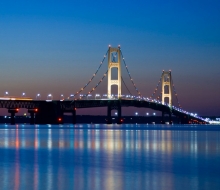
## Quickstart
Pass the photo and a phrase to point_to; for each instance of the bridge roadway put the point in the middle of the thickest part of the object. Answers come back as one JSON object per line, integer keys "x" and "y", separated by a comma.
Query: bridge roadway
{"x": 51, "y": 112}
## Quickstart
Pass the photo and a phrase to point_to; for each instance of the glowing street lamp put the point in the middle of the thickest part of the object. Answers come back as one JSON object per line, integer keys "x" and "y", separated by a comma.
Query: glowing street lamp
{"x": 136, "y": 113}
{"x": 147, "y": 113}
{"x": 61, "y": 97}
{"x": 6, "y": 93}
{"x": 89, "y": 96}
{"x": 38, "y": 97}
{"x": 71, "y": 96}
{"x": 97, "y": 96}
{"x": 49, "y": 97}
{"x": 104, "y": 95}
{"x": 154, "y": 114}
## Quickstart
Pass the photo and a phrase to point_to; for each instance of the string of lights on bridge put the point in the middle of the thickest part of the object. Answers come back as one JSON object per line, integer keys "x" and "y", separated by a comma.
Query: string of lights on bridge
{"x": 152, "y": 96}
{"x": 49, "y": 98}
{"x": 130, "y": 74}
{"x": 129, "y": 97}
{"x": 94, "y": 88}
{"x": 93, "y": 76}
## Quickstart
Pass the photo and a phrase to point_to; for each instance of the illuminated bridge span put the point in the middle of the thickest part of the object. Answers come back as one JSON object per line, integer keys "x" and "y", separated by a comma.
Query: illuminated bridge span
{"x": 52, "y": 111}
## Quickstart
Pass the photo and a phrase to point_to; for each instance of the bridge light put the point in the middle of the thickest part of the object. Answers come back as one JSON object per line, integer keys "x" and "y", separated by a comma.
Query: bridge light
{"x": 136, "y": 113}
{"x": 147, "y": 113}
{"x": 38, "y": 97}
{"x": 154, "y": 113}
{"x": 49, "y": 97}
{"x": 36, "y": 109}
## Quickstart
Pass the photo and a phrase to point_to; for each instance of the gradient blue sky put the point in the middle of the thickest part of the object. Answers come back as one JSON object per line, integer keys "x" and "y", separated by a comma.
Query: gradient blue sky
{"x": 55, "y": 46}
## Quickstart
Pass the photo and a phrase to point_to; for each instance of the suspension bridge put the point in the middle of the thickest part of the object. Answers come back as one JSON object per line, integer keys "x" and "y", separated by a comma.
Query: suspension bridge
{"x": 52, "y": 111}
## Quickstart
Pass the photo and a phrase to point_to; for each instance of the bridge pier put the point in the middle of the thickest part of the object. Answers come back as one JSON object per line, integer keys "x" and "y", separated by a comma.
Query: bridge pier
{"x": 109, "y": 117}
{"x": 49, "y": 113}
{"x": 12, "y": 112}
{"x": 184, "y": 119}
{"x": 163, "y": 120}
{"x": 119, "y": 113}
{"x": 112, "y": 105}
{"x": 73, "y": 113}
{"x": 170, "y": 118}
{"x": 32, "y": 112}
{"x": 74, "y": 116}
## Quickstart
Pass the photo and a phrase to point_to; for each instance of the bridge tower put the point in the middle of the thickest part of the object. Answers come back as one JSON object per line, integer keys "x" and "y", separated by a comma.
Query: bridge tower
{"x": 111, "y": 64}
{"x": 166, "y": 87}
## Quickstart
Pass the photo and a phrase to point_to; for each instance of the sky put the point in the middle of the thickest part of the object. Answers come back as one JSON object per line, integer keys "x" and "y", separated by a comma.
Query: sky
{"x": 56, "y": 46}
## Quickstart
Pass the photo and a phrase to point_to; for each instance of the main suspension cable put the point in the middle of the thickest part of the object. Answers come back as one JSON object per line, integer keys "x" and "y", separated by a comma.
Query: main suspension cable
{"x": 97, "y": 83}
{"x": 155, "y": 90}
{"x": 130, "y": 74}
{"x": 93, "y": 75}
{"x": 126, "y": 86}
{"x": 175, "y": 93}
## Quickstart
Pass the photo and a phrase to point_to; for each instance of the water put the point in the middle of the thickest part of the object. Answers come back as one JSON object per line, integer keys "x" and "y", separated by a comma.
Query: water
{"x": 110, "y": 157}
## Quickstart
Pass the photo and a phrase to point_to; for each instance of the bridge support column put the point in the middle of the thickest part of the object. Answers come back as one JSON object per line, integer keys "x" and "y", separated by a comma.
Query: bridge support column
{"x": 185, "y": 119}
{"x": 74, "y": 116}
{"x": 163, "y": 120}
{"x": 74, "y": 113}
{"x": 32, "y": 112}
{"x": 49, "y": 113}
{"x": 109, "y": 117}
{"x": 170, "y": 118}
{"x": 12, "y": 112}
{"x": 119, "y": 113}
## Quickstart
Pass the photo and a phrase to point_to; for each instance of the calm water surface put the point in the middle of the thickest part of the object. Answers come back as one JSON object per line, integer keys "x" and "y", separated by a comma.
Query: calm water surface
{"x": 153, "y": 157}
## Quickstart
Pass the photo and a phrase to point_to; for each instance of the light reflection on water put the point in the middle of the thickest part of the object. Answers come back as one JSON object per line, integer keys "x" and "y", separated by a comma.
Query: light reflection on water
{"x": 102, "y": 157}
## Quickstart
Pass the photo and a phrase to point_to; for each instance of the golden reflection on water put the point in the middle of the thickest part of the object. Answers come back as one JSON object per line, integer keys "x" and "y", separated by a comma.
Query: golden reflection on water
{"x": 100, "y": 159}
{"x": 109, "y": 140}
